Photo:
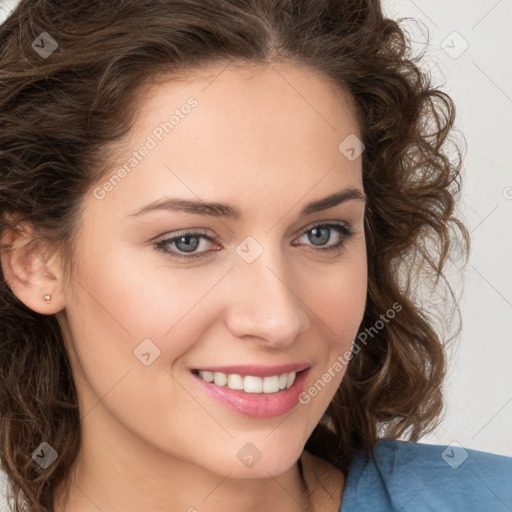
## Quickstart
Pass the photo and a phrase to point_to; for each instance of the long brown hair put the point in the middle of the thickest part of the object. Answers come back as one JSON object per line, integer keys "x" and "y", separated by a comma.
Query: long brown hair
{"x": 61, "y": 110}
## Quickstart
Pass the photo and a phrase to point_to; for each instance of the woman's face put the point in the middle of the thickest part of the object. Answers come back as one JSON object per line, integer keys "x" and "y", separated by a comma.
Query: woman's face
{"x": 267, "y": 294}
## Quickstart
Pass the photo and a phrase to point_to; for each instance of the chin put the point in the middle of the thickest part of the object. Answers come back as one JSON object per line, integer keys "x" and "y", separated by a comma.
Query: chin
{"x": 256, "y": 456}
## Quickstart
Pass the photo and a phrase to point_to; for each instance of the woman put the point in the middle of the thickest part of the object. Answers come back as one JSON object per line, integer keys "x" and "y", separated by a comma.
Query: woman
{"x": 212, "y": 212}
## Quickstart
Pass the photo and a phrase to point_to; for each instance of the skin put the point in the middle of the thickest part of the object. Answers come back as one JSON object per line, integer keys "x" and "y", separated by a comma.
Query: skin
{"x": 264, "y": 139}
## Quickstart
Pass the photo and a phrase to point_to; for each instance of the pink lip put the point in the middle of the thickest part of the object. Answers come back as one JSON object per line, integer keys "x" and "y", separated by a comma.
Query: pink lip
{"x": 257, "y": 371}
{"x": 257, "y": 405}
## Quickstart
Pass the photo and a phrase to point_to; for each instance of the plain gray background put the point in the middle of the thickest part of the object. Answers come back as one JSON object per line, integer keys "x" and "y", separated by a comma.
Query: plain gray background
{"x": 469, "y": 53}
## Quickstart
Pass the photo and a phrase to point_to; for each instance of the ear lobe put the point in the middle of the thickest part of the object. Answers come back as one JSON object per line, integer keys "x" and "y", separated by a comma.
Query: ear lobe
{"x": 30, "y": 266}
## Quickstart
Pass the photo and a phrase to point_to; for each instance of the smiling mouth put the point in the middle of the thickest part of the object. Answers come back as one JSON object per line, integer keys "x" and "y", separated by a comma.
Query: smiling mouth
{"x": 273, "y": 391}
{"x": 249, "y": 383}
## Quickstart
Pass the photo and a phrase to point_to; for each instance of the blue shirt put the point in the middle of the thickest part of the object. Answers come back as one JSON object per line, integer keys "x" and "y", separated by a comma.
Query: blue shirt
{"x": 416, "y": 477}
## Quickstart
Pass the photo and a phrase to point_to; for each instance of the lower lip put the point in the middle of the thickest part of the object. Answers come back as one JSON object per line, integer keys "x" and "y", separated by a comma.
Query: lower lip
{"x": 257, "y": 405}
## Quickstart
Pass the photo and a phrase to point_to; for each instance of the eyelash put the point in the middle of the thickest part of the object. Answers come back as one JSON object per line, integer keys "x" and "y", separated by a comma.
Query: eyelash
{"x": 342, "y": 228}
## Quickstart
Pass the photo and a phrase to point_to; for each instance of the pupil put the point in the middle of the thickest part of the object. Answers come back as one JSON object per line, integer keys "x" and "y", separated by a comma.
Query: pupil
{"x": 325, "y": 238}
{"x": 188, "y": 247}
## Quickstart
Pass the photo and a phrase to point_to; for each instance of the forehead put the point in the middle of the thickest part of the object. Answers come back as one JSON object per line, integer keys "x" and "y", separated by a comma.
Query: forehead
{"x": 244, "y": 93}
{"x": 250, "y": 134}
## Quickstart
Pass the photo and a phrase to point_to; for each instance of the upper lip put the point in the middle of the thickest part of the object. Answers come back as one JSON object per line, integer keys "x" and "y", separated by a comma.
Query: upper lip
{"x": 256, "y": 370}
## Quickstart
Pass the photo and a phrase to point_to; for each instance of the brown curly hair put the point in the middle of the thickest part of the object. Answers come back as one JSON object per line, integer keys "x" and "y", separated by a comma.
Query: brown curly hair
{"x": 60, "y": 114}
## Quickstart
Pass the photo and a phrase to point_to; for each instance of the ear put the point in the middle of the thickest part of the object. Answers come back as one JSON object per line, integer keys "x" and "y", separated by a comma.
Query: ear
{"x": 31, "y": 268}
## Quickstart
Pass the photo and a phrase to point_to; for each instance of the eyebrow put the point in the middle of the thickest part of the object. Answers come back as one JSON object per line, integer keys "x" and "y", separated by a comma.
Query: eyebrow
{"x": 230, "y": 211}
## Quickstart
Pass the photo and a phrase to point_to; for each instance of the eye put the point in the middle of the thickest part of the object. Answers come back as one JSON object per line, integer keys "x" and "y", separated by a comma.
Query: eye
{"x": 321, "y": 234}
{"x": 186, "y": 244}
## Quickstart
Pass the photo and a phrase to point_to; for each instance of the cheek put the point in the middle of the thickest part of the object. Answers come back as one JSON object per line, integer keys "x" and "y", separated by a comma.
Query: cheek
{"x": 126, "y": 301}
{"x": 338, "y": 303}
{"x": 115, "y": 305}
{"x": 337, "y": 300}
{"x": 112, "y": 308}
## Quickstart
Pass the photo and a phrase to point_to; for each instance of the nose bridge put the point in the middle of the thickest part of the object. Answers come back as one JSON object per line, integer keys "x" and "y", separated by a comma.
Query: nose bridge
{"x": 263, "y": 302}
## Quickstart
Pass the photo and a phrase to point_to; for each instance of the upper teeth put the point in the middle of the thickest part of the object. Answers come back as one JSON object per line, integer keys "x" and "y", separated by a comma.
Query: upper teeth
{"x": 250, "y": 383}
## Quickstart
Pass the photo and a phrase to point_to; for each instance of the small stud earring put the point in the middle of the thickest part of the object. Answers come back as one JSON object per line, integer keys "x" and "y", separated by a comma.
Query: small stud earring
{"x": 47, "y": 298}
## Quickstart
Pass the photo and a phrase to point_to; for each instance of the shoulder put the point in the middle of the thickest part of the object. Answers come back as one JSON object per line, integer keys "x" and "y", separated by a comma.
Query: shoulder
{"x": 403, "y": 476}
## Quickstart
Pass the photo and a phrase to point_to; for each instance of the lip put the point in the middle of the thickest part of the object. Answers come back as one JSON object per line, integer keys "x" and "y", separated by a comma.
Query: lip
{"x": 256, "y": 405}
{"x": 256, "y": 370}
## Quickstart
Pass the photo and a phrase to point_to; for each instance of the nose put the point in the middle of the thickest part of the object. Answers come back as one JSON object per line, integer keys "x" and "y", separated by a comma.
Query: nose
{"x": 263, "y": 304}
